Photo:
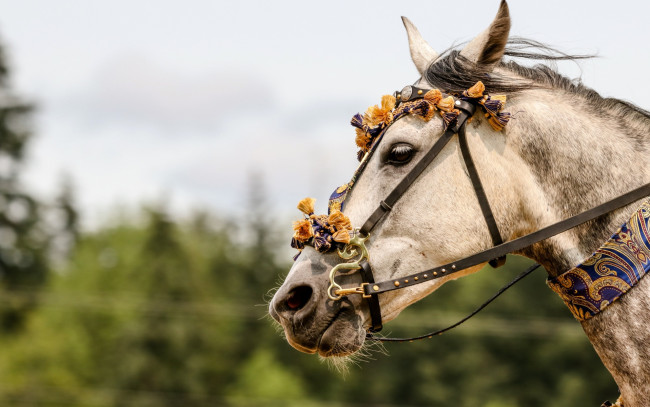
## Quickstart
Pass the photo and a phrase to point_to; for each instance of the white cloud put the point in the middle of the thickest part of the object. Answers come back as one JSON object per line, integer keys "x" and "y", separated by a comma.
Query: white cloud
{"x": 133, "y": 90}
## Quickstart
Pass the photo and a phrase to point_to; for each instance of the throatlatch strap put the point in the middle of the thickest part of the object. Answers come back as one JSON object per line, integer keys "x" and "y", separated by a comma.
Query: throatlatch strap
{"x": 480, "y": 194}
{"x": 503, "y": 289}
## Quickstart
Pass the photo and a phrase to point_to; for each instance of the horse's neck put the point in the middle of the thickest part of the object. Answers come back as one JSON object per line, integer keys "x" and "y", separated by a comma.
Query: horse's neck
{"x": 578, "y": 157}
{"x": 620, "y": 334}
{"x": 581, "y": 158}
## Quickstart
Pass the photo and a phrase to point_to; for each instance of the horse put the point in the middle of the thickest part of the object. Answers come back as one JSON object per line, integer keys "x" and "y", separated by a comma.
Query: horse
{"x": 564, "y": 150}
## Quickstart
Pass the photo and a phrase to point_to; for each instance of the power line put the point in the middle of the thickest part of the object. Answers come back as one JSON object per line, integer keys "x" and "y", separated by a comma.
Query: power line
{"x": 221, "y": 310}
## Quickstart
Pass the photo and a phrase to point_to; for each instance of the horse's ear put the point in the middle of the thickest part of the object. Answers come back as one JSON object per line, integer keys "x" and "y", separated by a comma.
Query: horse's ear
{"x": 421, "y": 53}
{"x": 488, "y": 47}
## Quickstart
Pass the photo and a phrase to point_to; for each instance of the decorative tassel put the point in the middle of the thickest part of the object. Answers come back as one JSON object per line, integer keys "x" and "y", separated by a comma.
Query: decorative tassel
{"x": 475, "y": 91}
{"x": 376, "y": 115}
{"x": 499, "y": 121}
{"x": 322, "y": 244}
{"x": 341, "y": 236}
{"x": 302, "y": 230}
{"x": 374, "y": 131}
{"x": 357, "y": 121}
{"x": 363, "y": 139}
{"x": 449, "y": 117}
{"x": 306, "y": 206}
{"x": 339, "y": 221}
{"x": 297, "y": 244}
{"x": 360, "y": 155}
{"x": 446, "y": 104}
{"x": 426, "y": 110}
{"x": 388, "y": 102}
{"x": 492, "y": 106}
{"x": 502, "y": 98}
{"x": 433, "y": 96}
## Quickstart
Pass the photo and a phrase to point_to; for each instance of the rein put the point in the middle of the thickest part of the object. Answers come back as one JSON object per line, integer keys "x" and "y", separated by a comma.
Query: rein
{"x": 356, "y": 251}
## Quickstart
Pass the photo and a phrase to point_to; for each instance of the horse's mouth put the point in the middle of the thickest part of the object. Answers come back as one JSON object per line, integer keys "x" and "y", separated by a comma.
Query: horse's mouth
{"x": 340, "y": 336}
{"x": 323, "y": 348}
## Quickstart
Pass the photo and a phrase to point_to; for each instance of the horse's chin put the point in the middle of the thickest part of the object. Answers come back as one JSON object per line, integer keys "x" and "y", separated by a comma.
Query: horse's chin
{"x": 341, "y": 338}
{"x": 341, "y": 335}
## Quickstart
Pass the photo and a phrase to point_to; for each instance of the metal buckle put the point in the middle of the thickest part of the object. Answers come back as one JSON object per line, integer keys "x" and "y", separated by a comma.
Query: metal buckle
{"x": 356, "y": 290}
{"x": 356, "y": 247}
{"x": 409, "y": 93}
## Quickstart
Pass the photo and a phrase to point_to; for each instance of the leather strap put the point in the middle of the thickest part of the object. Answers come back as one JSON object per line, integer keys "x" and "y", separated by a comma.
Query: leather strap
{"x": 511, "y": 246}
{"x": 373, "y": 299}
{"x": 480, "y": 194}
{"x": 503, "y": 289}
{"x": 466, "y": 110}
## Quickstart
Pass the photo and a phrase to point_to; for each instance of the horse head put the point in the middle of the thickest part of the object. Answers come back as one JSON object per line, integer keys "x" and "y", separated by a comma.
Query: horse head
{"x": 535, "y": 171}
{"x": 435, "y": 221}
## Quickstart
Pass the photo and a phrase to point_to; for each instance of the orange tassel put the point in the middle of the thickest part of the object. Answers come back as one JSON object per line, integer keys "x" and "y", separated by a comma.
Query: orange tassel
{"x": 388, "y": 102}
{"x": 306, "y": 206}
{"x": 341, "y": 236}
{"x": 362, "y": 139}
{"x": 339, "y": 221}
{"x": 302, "y": 230}
{"x": 376, "y": 115}
{"x": 434, "y": 96}
{"x": 476, "y": 91}
{"x": 446, "y": 104}
{"x": 499, "y": 97}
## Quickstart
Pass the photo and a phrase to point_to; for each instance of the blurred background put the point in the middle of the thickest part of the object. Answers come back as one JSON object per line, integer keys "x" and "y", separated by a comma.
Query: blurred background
{"x": 151, "y": 156}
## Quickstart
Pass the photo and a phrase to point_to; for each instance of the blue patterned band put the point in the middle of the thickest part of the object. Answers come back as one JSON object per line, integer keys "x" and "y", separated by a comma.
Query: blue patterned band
{"x": 613, "y": 269}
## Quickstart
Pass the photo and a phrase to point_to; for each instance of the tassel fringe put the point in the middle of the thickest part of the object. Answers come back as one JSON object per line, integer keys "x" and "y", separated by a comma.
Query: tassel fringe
{"x": 306, "y": 206}
{"x": 323, "y": 231}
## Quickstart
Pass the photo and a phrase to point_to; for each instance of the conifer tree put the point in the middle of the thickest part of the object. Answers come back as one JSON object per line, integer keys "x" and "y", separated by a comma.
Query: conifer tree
{"x": 167, "y": 341}
{"x": 23, "y": 241}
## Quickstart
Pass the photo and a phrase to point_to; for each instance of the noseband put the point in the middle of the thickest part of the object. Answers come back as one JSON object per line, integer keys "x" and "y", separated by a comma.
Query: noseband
{"x": 357, "y": 255}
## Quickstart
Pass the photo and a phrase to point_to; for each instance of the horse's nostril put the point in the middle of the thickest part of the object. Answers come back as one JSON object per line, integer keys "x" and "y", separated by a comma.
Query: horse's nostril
{"x": 298, "y": 297}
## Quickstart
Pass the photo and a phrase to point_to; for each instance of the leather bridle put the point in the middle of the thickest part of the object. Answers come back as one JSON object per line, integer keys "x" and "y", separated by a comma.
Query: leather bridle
{"x": 495, "y": 256}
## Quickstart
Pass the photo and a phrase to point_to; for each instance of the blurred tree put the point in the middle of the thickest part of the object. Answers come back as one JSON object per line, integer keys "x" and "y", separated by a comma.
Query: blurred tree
{"x": 260, "y": 222}
{"x": 23, "y": 240}
{"x": 63, "y": 223}
{"x": 167, "y": 363}
{"x": 65, "y": 201}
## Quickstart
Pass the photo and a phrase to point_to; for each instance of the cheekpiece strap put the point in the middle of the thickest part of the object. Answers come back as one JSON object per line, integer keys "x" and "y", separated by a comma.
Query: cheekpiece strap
{"x": 493, "y": 228}
{"x": 373, "y": 299}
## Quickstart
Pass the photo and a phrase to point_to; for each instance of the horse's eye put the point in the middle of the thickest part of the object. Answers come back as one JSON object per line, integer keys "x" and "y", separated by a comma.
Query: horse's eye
{"x": 400, "y": 154}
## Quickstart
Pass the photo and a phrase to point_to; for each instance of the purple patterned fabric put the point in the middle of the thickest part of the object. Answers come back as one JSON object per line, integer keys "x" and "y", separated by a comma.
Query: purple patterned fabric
{"x": 612, "y": 270}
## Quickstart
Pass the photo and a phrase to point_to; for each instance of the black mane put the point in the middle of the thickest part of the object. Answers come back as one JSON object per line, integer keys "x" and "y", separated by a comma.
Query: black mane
{"x": 453, "y": 73}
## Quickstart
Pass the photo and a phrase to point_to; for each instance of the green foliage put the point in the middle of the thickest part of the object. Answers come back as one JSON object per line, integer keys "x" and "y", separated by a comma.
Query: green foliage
{"x": 23, "y": 241}
{"x": 262, "y": 377}
{"x": 165, "y": 314}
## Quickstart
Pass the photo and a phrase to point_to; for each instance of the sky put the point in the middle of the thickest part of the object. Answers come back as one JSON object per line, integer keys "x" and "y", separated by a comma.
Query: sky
{"x": 183, "y": 101}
